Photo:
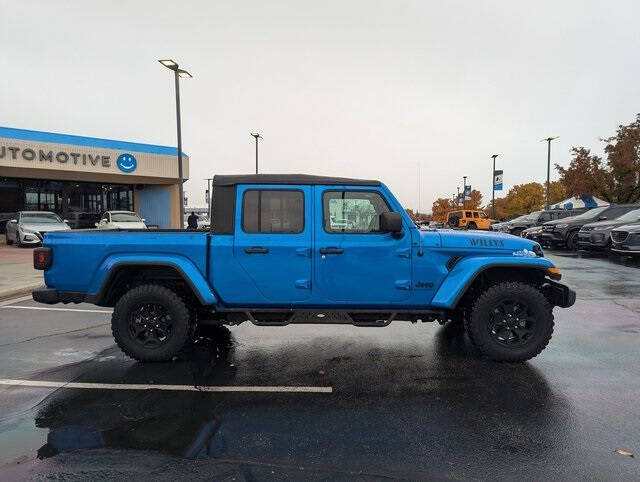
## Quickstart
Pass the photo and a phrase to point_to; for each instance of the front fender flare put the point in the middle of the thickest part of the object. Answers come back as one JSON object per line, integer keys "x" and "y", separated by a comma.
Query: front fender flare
{"x": 189, "y": 272}
{"x": 467, "y": 270}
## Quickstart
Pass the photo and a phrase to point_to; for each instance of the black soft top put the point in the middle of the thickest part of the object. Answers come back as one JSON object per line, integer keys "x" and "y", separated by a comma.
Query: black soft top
{"x": 234, "y": 179}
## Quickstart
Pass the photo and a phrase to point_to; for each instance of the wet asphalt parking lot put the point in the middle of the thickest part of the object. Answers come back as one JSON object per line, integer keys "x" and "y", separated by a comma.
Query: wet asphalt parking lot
{"x": 406, "y": 401}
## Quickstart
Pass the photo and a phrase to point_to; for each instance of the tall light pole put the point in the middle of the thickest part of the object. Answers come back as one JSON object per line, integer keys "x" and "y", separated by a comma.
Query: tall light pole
{"x": 548, "y": 139}
{"x": 493, "y": 187}
{"x": 458, "y": 198}
{"x": 464, "y": 192}
{"x": 178, "y": 72}
{"x": 257, "y": 136}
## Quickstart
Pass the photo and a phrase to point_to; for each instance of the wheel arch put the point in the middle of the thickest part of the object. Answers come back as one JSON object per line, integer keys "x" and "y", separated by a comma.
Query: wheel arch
{"x": 464, "y": 280}
{"x": 124, "y": 274}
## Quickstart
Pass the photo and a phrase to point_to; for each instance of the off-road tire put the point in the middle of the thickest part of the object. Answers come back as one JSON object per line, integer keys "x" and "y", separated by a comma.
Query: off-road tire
{"x": 180, "y": 322}
{"x": 478, "y": 324}
{"x": 572, "y": 241}
{"x": 6, "y": 238}
{"x": 472, "y": 225}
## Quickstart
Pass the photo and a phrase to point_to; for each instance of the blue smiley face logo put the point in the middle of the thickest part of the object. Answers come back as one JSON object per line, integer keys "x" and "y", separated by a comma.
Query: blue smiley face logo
{"x": 127, "y": 163}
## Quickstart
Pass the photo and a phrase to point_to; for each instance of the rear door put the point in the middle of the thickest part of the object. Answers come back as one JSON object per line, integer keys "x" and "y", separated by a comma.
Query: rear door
{"x": 272, "y": 241}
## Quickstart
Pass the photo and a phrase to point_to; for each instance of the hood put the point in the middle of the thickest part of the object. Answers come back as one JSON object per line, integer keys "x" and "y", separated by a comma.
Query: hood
{"x": 631, "y": 228}
{"x": 567, "y": 220}
{"x": 609, "y": 223}
{"x": 45, "y": 227}
{"x": 487, "y": 242}
{"x": 129, "y": 225}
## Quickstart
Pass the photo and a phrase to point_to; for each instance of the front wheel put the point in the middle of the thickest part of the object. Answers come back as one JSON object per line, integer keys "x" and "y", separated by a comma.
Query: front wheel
{"x": 572, "y": 241}
{"x": 510, "y": 321}
{"x": 151, "y": 323}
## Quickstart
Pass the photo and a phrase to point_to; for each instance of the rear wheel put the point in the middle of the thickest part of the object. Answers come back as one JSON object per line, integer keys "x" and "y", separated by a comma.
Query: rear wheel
{"x": 472, "y": 225}
{"x": 6, "y": 237}
{"x": 511, "y": 321}
{"x": 151, "y": 323}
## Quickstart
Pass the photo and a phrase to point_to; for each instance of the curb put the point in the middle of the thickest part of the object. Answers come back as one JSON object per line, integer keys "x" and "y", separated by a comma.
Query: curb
{"x": 20, "y": 291}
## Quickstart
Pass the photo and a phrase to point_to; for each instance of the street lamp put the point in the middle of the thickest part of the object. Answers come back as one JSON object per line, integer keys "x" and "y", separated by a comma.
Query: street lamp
{"x": 493, "y": 187}
{"x": 548, "y": 139}
{"x": 178, "y": 72}
{"x": 458, "y": 198}
{"x": 257, "y": 136}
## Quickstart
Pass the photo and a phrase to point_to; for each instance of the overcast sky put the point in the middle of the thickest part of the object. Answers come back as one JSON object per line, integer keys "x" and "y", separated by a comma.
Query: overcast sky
{"x": 348, "y": 88}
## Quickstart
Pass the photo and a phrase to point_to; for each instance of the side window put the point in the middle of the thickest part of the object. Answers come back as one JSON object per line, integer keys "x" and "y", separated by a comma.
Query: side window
{"x": 272, "y": 211}
{"x": 475, "y": 214}
{"x": 615, "y": 212}
{"x": 467, "y": 214}
{"x": 352, "y": 211}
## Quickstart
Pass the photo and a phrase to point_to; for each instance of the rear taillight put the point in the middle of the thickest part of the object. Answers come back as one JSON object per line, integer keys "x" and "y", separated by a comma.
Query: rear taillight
{"x": 42, "y": 258}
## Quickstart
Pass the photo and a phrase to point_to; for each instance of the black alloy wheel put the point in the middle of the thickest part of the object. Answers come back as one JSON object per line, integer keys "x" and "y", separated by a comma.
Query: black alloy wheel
{"x": 150, "y": 325}
{"x": 511, "y": 323}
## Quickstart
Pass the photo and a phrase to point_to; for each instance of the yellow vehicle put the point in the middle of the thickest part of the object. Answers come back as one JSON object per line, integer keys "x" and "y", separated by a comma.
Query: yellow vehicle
{"x": 468, "y": 219}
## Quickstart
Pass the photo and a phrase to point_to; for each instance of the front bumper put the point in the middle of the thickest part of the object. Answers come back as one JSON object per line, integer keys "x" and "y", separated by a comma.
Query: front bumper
{"x": 51, "y": 296}
{"x": 30, "y": 238}
{"x": 593, "y": 240}
{"x": 553, "y": 237}
{"x": 559, "y": 294}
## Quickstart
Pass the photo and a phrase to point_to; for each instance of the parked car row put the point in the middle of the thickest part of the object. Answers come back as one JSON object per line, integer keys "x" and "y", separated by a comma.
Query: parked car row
{"x": 615, "y": 228}
{"x": 29, "y": 227}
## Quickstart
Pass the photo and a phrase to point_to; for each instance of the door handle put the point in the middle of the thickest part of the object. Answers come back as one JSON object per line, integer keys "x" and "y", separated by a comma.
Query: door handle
{"x": 331, "y": 250}
{"x": 256, "y": 250}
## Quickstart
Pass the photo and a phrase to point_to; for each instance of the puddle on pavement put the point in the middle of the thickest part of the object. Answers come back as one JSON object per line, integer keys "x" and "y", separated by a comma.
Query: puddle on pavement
{"x": 19, "y": 438}
{"x": 178, "y": 423}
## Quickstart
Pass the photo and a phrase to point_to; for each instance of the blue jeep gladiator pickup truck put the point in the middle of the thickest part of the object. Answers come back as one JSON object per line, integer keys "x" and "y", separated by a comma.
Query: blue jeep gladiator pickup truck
{"x": 305, "y": 249}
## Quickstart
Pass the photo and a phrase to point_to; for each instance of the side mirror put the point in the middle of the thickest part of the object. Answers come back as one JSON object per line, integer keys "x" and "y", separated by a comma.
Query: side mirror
{"x": 391, "y": 223}
{"x": 65, "y": 221}
{"x": 144, "y": 220}
{"x": 13, "y": 220}
{"x": 96, "y": 224}
{"x": 602, "y": 218}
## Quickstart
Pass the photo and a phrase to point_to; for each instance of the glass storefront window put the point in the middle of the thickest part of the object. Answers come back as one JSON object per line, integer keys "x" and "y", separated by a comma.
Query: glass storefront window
{"x": 65, "y": 198}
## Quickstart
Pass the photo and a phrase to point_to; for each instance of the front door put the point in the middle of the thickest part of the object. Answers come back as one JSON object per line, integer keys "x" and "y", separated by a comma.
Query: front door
{"x": 272, "y": 242}
{"x": 356, "y": 263}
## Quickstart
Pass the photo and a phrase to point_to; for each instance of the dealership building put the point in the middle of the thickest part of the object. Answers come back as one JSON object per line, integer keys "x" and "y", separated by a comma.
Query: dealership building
{"x": 81, "y": 177}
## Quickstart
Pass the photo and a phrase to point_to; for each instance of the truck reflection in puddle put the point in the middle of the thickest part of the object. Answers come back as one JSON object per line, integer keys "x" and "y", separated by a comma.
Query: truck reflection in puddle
{"x": 179, "y": 423}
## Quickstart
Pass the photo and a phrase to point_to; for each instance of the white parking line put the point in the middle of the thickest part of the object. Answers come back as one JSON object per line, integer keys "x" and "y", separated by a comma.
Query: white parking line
{"x": 43, "y": 308}
{"x": 175, "y": 388}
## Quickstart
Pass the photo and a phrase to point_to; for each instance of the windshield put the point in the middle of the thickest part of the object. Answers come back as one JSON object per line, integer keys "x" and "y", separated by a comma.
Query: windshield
{"x": 40, "y": 218}
{"x": 125, "y": 218}
{"x": 630, "y": 216}
{"x": 592, "y": 213}
{"x": 533, "y": 216}
{"x": 519, "y": 218}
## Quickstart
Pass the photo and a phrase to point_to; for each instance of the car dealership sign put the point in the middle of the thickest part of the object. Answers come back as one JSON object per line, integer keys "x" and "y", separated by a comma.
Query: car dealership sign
{"x": 53, "y": 157}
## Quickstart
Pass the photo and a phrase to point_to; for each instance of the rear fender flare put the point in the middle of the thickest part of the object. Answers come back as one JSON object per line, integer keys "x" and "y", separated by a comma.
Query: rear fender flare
{"x": 187, "y": 270}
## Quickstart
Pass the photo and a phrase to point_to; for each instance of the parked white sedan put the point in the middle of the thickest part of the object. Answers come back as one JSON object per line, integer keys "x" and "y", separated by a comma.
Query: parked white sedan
{"x": 29, "y": 227}
{"x": 121, "y": 220}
